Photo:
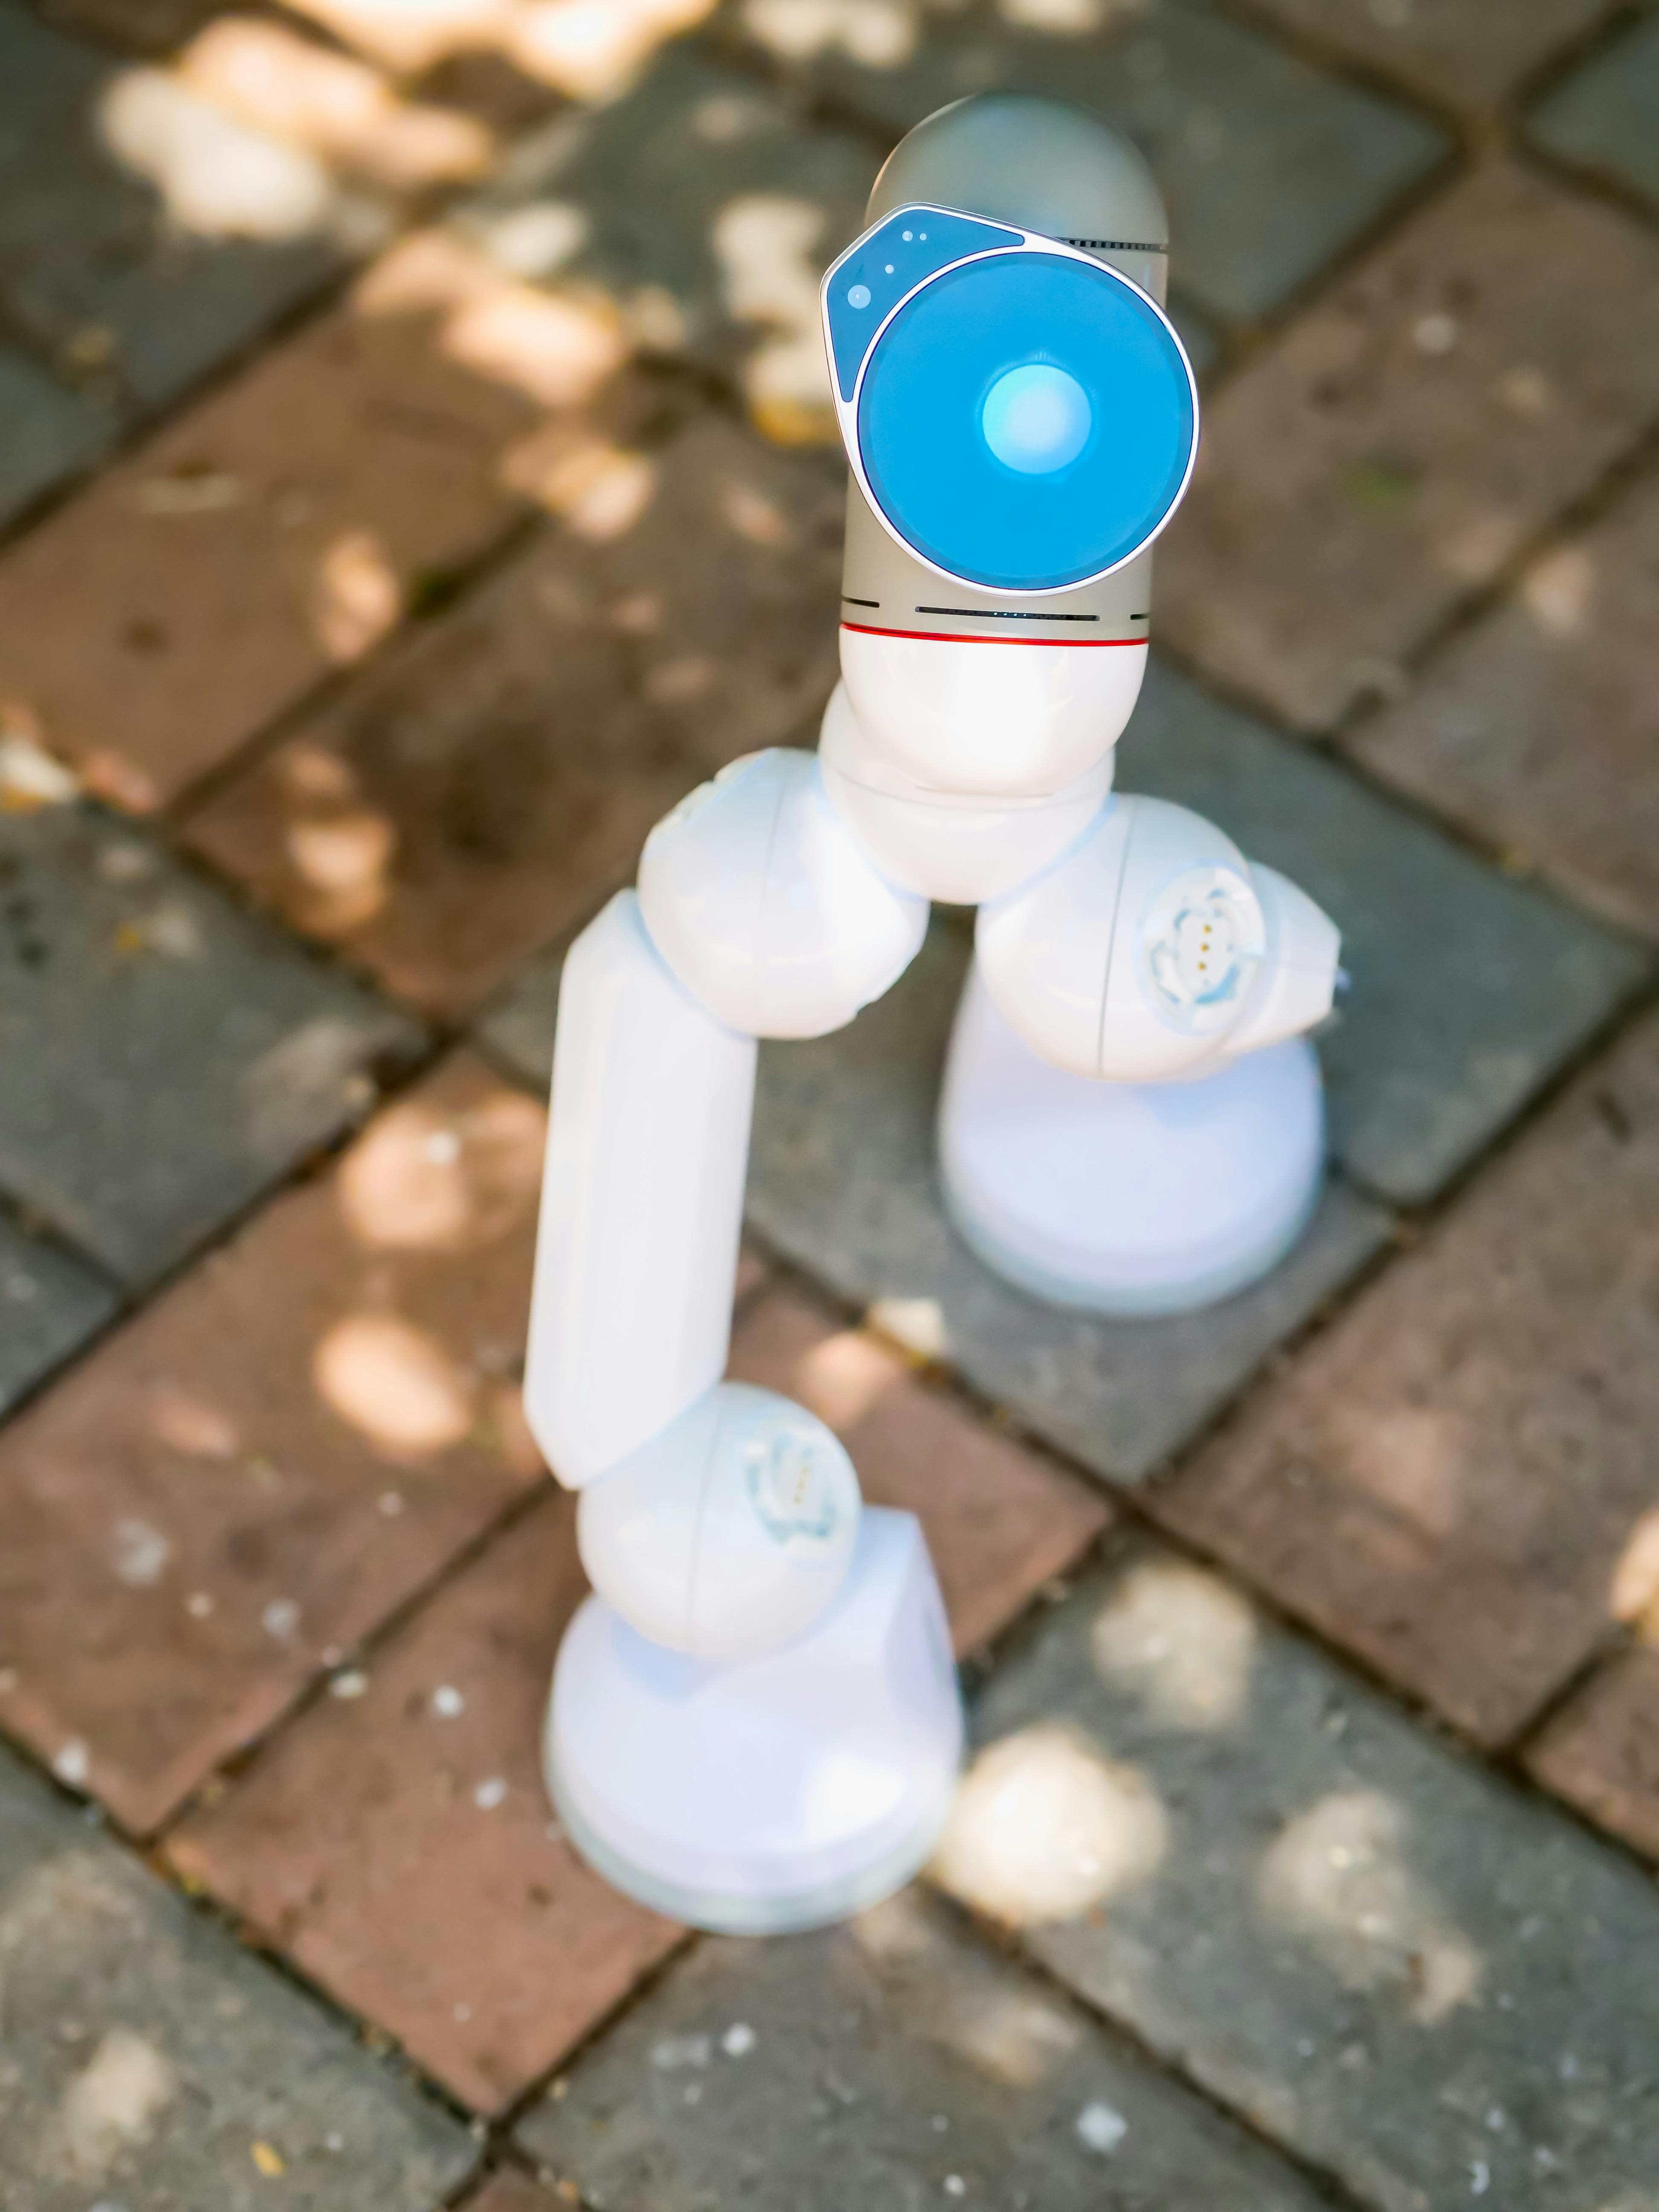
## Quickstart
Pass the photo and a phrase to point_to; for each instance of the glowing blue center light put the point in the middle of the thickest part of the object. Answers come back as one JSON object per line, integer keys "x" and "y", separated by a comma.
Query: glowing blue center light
{"x": 1035, "y": 419}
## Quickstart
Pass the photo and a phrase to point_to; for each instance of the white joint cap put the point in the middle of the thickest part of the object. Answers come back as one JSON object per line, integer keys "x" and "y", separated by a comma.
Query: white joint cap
{"x": 728, "y": 1535}
{"x": 762, "y": 900}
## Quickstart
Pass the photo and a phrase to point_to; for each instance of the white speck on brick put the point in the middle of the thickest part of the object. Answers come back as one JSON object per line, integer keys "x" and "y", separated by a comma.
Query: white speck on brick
{"x": 489, "y": 1794}
{"x": 391, "y": 1504}
{"x": 676, "y": 2050}
{"x": 280, "y": 1618}
{"x": 139, "y": 1553}
{"x": 463, "y": 2014}
{"x": 940, "y": 2123}
{"x": 199, "y": 1605}
{"x": 738, "y": 2039}
{"x": 72, "y": 1763}
{"x": 694, "y": 2093}
{"x": 351, "y": 1684}
{"x": 447, "y": 1701}
{"x": 443, "y": 1147}
{"x": 955, "y": 2185}
{"x": 1101, "y": 2128}
{"x": 9, "y": 1679}
{"x": 334, "y": 2141}
{"x": 1496, "y": 2120}
{"x": 1479, "y": 2178}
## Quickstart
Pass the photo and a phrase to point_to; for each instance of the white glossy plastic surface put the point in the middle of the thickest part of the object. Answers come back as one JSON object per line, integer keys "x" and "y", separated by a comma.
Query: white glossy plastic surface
{"x": 727, "y": 1534}
{"x": 1125, "y": 1198}
{"x": 642, "y": 1206}
{"x": 1297, "y": 982}
{"x": 780, "y": 1794}
{"x": 990, "y": 715}
{"x": 767, "y": 908}
{"x": 961, "y": 847}
{"x": 1136, "y": 954}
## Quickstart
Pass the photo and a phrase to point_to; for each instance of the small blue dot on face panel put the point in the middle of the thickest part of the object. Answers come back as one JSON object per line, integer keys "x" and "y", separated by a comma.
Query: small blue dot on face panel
{"x": 891, "y": 262}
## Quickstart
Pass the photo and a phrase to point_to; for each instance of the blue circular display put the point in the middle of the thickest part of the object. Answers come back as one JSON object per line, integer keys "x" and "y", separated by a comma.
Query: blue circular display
{"x": 1026, "y": 420}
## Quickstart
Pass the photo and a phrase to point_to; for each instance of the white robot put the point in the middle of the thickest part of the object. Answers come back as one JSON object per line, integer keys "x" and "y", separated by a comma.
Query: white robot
{"x": 755, "y": 1722}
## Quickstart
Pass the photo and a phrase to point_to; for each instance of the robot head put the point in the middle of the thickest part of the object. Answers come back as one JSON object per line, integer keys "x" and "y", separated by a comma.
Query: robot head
{"x": 1021, "y": 420}
{"x": 1019, "y": 413}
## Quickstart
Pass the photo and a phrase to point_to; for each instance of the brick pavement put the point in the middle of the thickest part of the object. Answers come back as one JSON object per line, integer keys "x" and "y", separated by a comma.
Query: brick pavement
{"x": 412, "y": 450}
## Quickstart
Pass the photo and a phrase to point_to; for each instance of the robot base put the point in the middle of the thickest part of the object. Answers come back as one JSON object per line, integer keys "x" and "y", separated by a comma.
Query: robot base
{"x": 1127, "y": 1199}
{"x": 778, "y": 1794}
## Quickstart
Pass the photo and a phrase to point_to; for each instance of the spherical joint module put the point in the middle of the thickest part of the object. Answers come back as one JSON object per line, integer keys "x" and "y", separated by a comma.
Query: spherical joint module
{"x": 1153, "y": 949}
{"x": 765, "y": 907}
{"x": 726, "y": 1536}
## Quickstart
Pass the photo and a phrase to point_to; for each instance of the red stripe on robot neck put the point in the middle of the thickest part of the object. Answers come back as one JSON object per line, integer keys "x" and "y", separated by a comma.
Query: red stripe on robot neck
{"x": 958, "y": 637}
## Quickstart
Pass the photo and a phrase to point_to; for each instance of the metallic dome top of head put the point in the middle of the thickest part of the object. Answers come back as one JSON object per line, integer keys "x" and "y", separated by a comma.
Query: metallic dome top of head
{"x": 1020, "y": 157}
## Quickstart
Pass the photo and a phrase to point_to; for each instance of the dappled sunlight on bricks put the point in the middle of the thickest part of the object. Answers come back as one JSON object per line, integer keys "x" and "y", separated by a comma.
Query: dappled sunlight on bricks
{"x": 246, "y": 1482}
{"x": 494, "y": 774}
{"x": 1045, "y": 1827}
{"x": 1339, "y": 1877}
{"x": 591, "y": 49}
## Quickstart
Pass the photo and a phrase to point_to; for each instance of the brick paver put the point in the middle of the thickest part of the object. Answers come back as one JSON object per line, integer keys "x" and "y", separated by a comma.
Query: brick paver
{"x": 1536, "y": 729}
{"x": 1605, "y": 118}
{"x": 49, "y": 1304}
{"x": 96, "y": 268}
{"x": 46, "y": 433}
{"x": 486, "y": 786}
{"x": 399, "y": 1844}
{"x": 1448, "y": 1482}
{"x": 151, "y": 2063}
{"x": 1269, "y": 167}
{"x": 1468, "y": 989}
{"x": 889, "y": 2062}
{"x": 135, "y": 27}
{"x": 274, "y": 533}
{"x": 842, "y": 1180}
{"x": 1601, "y": 1750}
{"x": 163, "y": 1059}
{"x": 1465, "y": 52}
{"x": 1000, "y": 1524}
{"x": 1429, "y": 1987}
{"x": 287, "y": 1444}
{"x": 508, "y": 2192}
{"x": 1407, "y": 437}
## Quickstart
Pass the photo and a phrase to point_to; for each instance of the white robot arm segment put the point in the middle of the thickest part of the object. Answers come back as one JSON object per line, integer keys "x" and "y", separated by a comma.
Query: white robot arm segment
{"x": 1150, "y": 952}
{"x": 641, "y": 1206}
{"x": 767, "y": 906}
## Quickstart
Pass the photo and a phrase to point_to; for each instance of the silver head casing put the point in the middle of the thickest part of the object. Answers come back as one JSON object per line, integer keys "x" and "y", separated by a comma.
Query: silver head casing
{"x": 1017, "y": 158}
